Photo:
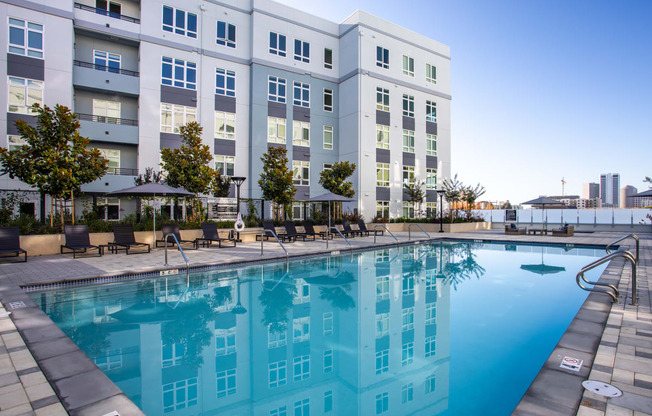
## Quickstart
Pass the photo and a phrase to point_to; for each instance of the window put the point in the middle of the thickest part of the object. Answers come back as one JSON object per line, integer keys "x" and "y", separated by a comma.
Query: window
{"x": 407, "y": 393}
{"x": 382, "y": 99}
{"x": 25, "y": 38}
{"x": 277, "y": 44}
{"x": 301, "y": 94}
{"x": 382, "y": 174}
{"x": 226, "y": 382}
{"x": 225, "y": 165}
{"x": 408, "y": 209}
{"x": 303, "y": 292}
{"x": 431, "y": 313}
{"x": 408, "y": 175}
{"x": 23, "y": 93}
{"x": 276, "y": 130}
{"x": 105, "y": 111}
{"x": 224, "y": 125}
{"x": 174, "y": 116}
{"x": 382, "y": 288}
{"x": 106, "y": 61}
{"x": 431, "y": 211}
{"x": 301, "y": 133}
{"x": 225, "y": 34}
{"x": 328, "y": 323}
{"x": 276, "y": 89}
{"x": 281, "y": 411}
{"x": 224, "y": 341}
{"x": 110, "y": 208}
{"x": 408, "y": 319}
{"x": 431, "y": 178}
{"x": 382, "y": 361}
{"x": 382, "y": 209}
{"x": 108, "y": 7}
{"x": 180, "y": 22}
{"x": 431, "y": 111}
{"x": 172, "y": 354}
{"x": 301, "y": 329}
{"x": 113, "y": 156}
{"x": 328, "y": 58}
{"x": 408, "y": 66}
{"x": 431, "y": 145}
{"x": 301, "y": 51}
{"x": 327, "y": 166}
{"x": 301, "y": 172}
{"x": 431, "y": 73}
{"x": 408, "y": 141}
{"x": 224, "y": 82}
{"x": 328, "y": 361}
{"x": 109, "y": 360}
{"x": 408, "y": 285}
{"x": 301, "y": 367}
{"x": 179, "y": 73}
{"x": 430, "y": 384}
{"x": 430, "y": 346}
{"x": 302, "y": 407}
{"x": 382, "y": 403}
{"x": 382, "y": 324}
{"x": 382, "y": 136}
{"x": 328, "y": 401}
{"x": 180, "y": 395}
{"x": 328, "y": 137}
{"x": 277, "y": 374}
{"x": 407, "y": 353}
{"x": 15, "y": 142}
{"x": 328, "y": 99}
{"x": 297, "y": 214}
{"x": 382, "y": 57}
{"x": 408, "y": 105}
{"x": 275, "y": 338}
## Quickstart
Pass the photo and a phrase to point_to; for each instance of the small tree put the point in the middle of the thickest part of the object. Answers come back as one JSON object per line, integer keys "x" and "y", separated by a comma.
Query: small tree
{"x": 471, "y": 194}
{"x": 150, "y": 176}
{"x": 221, "y": 186}
{"x": 416, "y": 194}
{"x": 507, "y": 205}
{"x": 276, "y": 181}
{"x": 334, "y": 179}
{"x": 453, "y": 193}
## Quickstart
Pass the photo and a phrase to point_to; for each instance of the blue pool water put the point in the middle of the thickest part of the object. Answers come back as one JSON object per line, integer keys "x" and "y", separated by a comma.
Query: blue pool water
{"x": 453, "y": 328}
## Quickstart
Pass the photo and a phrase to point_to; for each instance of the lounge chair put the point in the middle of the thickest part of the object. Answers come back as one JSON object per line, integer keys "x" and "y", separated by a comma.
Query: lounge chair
{"x": 123, "y": 237}
{"x": 174, "y": 229}
{"x": 211, "y": 235}
{"x": 291, "y": 231}
{"x": 512, "y": 229}
{"x": 78, "y": 240}
{"x": 565, "y": 231}
{"x": 10, "y": 242}
{"x": 267, "y": 226}
{"x": 348, "y": 231}
{"x": 363, "y": 228}
{"x": 309, "y": 230}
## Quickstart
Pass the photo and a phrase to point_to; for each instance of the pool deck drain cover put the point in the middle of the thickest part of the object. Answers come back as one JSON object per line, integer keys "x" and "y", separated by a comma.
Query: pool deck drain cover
{"x": 603, "y": 389}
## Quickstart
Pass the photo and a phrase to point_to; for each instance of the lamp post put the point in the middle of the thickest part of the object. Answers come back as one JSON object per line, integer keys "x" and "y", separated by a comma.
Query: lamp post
{"x": 440, "y": 192}
{"x": 238, "y": 180}
{"x": 238, "y": 309}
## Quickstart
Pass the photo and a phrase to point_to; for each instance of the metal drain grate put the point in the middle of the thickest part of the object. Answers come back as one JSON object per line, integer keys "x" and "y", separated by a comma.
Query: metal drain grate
{"x": 603, "y": 389}
{"x": 17, "y": 305}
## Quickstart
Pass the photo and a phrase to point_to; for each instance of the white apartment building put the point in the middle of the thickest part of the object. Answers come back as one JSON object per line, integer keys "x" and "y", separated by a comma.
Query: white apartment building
{"x": 253, "y": 73}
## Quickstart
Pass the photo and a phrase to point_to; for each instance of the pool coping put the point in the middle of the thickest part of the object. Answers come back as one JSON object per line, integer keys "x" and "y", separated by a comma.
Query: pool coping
{"x": 85, "y": 390}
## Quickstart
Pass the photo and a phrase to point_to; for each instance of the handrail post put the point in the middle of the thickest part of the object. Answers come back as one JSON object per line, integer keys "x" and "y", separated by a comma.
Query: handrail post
{"x": 389, "y": 232}
{"x": 345, "y": 239}
{"x": 165, "y": 237}
{"x": 421, "y": 228}
{"x": 620, "y": 253}
{"x": 634, "y": 236}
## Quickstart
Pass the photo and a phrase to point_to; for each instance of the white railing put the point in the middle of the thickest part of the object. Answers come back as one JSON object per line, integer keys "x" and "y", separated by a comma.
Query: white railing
{"x": 600, "y": 216}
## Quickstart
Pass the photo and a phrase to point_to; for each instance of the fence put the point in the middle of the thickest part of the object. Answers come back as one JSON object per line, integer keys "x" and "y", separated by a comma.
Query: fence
{"x": 602, "y": 216}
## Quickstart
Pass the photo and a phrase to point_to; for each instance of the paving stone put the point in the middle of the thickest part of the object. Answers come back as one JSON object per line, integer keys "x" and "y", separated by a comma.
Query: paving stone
{"x": 55, "y": 409}
{"x": 66, "y": 365}
{"x": 632, "y": 401}
{"x": 12, "y": 396}
{"x": 587, "y": 411}
{"x": 33, "y": 379}
{"x": 614, "y": 410}
{"x": 23, "y": 409}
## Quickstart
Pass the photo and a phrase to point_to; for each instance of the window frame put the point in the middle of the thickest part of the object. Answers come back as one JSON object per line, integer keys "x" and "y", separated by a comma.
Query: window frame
{"x": 430, "y": 71}
{"x": 301, "y": 172}
{"x": 328, "y": 130}
{"x": 382, "y": 175}
{"x": 382, "y": 99}
{"x": 299, "y": 131}
{"x": 229, "y": 37}
{"x": 382, "y": 57}
{"x": 32, "y": 52}
{"x": 99, "y": 104}
{"x": 382, "y": 130}
{"x": 430, "y": 174}
{"x": 227, "y": 76}
{"x": 303, "y": 88}
{"x": 278, "y": 83}
{"x": 328, "y": 64}
{"x": 408, "y": 105}
{"x": 224, "y": 164}
{"x": 27, "y": 85}
{"x": 274, "y": 122}
{"x": 225, "y": 119}
{"x": 328, "y": 92}
{"x": 301, "y": 51}
{"x": 431, "y": 144}
{"x": 174, "y": 110}
{"x": 431, "y": 111}
{"x": 408, "y": 141}
{"x": 109, "y": 57}
{"x": 277, "y": 50}
{"x": 408, "y": 66}
{"x": 175, "y": 65}
{"x": 178, "y": 30}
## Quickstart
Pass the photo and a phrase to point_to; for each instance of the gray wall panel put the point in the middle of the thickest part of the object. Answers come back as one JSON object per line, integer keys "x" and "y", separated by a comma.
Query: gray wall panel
{"x": 275, "y": 109}
{"x": 25, "y": 67}
{"x": 302, "y": 194}
{"x": 408, "y": 159}
{"x": 382, "y": 155}
{"x": 170, "y": 141}
{"x": 382, "y": 117}
{"x": 300, "y": 153}
{"x": 382, "y": 193}
{"x": 224, "y": 147}
{"x": 431, "y": 162}
{"x": 431, "y": 195}
{"x": 300, "y": 113}
{"x": 408, "y": 123}
{"x": 179, "y": 96}
{"x": 431, "y": 128}
{"x": 11, "y": 122}
{"x": 224, "y": 103}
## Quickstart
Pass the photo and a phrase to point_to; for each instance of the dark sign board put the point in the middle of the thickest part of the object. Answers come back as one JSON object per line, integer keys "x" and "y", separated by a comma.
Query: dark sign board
{"x": 510, "y": 215}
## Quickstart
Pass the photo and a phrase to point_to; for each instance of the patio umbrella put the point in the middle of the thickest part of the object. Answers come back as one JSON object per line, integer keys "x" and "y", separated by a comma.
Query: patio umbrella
{"x": 543, "y": 201}
{"x": 329, "y": 197}
{"x": 542, "y": 268}
{"x": 151, "y": 190}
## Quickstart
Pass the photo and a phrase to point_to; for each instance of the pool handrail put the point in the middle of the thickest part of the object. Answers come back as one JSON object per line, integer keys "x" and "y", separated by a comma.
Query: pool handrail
{"x": 340, "y": 233}
{"x": 386, "y": 229}
{"x": 620, "y": 253}
{"x": 273, "y": 233}
{"x": 165, "y": 237}
{"x": 634, "y": 236}
{"x": 410, "y": 233}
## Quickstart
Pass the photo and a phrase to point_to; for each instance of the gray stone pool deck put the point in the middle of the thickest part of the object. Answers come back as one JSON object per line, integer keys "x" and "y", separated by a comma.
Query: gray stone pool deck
{"x": 42, "y": 372}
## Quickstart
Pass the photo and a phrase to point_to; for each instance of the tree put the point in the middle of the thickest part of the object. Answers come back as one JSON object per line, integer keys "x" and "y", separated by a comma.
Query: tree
{"x": 649, "y": 181}
{"x": 334, "y": 179}
{"x": 55, "y": 159}
{"x": 415, "y": 192}
{"x": 453, "y": 193}
{"x": 150, "y": 176}
{"x": 507, "y": 205}
{"x": 471, "y": 194}
{"x": 276, "y": 181}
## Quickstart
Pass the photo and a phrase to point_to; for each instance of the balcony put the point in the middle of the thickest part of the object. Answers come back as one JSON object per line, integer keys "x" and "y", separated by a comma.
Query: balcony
{"x": 103, "y": 78}
{"x": 106, "y": 13}
{"x": 110, "y": 182}
{"x": 122, "y": 171}
{"x": 109, "y": 129}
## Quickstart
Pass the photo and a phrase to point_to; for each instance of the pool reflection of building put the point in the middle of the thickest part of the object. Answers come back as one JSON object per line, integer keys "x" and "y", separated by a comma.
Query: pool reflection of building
{"x": 355, "y": 335}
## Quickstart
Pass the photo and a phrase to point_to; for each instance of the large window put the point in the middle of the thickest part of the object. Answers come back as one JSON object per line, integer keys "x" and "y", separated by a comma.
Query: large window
{"x": 301, "y": 367}
{"x": 382, "y": 361}
{"x": 302, "y": 407}
{"x": 179, "y": 73}
{"x": 180, "y": 395}
{"x": 23, "y": 93}
{"x": 172, "y": 354}
{"x": 407, "y": 393}
{"x": 328, "y": 323}
{"x": 277, "y": 44}
{"x": 431, "y": 73}
{"x": 328, "y": 58}
{"x": 110, "y": 208}
{"x": 25, "y": 38}
{"x": 328, "y": 137}
{"x": 180, "y": 22}
{"x": 431, "y": 145}
{"x": 408, "y": 175}
{"x": 15, "y": 142}
{"x": 407, "y": 285}
{"x": 224, "y": 341}
{"x": 224, "y": 125}
{"x": 431, "y": 111}
{"x": 280, "y": 411}
{"x": 408, "y": 66}
{"x": 174, "y": 116}
{"x": 407, "y": 353}
{"x": 301, "y": 172}
{"x": 430, "y": 383}
{"x": 328, "y": 361}
{"x": 108, "y": 8}
{"x": 226, "y": 384}
{"x": 301, "y": 133}
{"x": 407, "y": 319}
{"x": 301, "y": 329}
{"x": 382, "y": 136}
{"x": 106, "y": 61}
{"x": 431, "y": 313}
{"x": 301, "y": 51}
{"x": 328, "y": 99}
{"x": 382, "y": 209}
{"x": 382, "y": 57}
{"x": 277, "y": 373}
{"x": 408, "y": 141}
{"x": 382, "y": 324}
{"x": 431, "y": 211}
{"x": 431, "y": 178}
{"x": 408, "y": 209}
{"x": 225, "y": 165}
{"x": 224, "y": 82}
{"x": 382, "y": 99}
{"x": 276, "y": 89}
{"x": 382, "y": 403}
{"x": 275, "y": 338}
{"x": 408, "y": 105}
{"x": 113, "y": 156}
{"x": 382, "y": 174}
{"x": 430, "y": 346}
{"x": 105, "y": 111}
{"x": 382, "y": 288}
{"x": 225, "y": 34}
{"x": 276, "y": 130}
{"x": 301, "y": 94}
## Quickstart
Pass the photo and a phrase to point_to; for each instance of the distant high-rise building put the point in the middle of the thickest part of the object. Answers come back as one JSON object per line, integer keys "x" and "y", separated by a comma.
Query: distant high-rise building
{"x": 609, "y": 187}
{"x": 591, "y": 190}
{"x": 625, "y": 196}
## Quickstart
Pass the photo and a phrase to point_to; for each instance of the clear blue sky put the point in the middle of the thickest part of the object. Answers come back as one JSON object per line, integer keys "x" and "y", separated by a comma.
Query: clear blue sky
{"x": 541, "y": 89}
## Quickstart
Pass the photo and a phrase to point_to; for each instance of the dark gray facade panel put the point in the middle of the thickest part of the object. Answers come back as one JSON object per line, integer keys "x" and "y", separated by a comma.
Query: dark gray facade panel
{"x": 178, "y": 96}
{"x": 382, "y": 306}
{"x": 382, "y": 155}
{"x": 302, "y": 194}
{"x": 11, "y": 122}
{"x": 25, "y": 67}
{"x": 224, "y": 147}
{"x": 408, "y": 159}
{"x": 408, "y": 123}
{"x": 431, "y": 162}
{"x": 224, "y": 103}
{"x": 407, "y": 336}
{"x": 275, "y": 145}
{"x": 170, "y": 141}
{"x": 275, "y": 109}
{"x": 301, "y": 348}
{"x": 431, "y": 128}
{"x": 382, "y": 343}
{"x": 300, "y": 153}
{"x": 382, "y": 193}
{"x": 232, "y": 191}
{"x": 300, "y": 113}
{"x": 277, "y": 354}
{"x": 382, "y": 117}
{"x": 406, "y": 197}
{"x": 431, "y": 195}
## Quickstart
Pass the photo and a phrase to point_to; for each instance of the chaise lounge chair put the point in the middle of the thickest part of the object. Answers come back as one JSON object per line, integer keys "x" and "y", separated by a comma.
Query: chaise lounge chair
{"x": 123, "y": 237}
{"x": 309, "y": 229}
{"x": 363, "y": 228}
{"x": 512, "y": 229}
{"x": 348, "y": 231}
{"x": 565, "y": 231}
{"x": 10, "y": 242}
{"x": 174, "y": 229}
{"x": 78, "y": 240}
{"x": 211, "y": 235}
{"x": 292, "y": 233}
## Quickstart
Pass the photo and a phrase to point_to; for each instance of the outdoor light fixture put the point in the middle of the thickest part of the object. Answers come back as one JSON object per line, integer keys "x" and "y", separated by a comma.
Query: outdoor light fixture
{"x": 440, "y": 192}
{"x": 238, "y": 180}
{"x": 238, "y": 309}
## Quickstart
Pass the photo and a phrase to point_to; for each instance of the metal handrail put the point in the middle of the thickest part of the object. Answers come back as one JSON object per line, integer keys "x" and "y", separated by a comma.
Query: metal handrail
{"x": 107, "y": 120}
{"x": 105, "y": 68}
{"x": 263, "y": 233}
{"x": 634, "y": 236}
{"x": 621, "y": 253}
{"x": 340, "y": 233}
{"x": 165, "y": 237}
{"x": 390, "y": 233}
{"x": 106, "y": 13}
{"x": 410, "y": 233}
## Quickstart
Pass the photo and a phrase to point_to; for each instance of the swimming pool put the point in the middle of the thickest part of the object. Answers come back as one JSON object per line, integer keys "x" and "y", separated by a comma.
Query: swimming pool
{"x": 451, "y": 328}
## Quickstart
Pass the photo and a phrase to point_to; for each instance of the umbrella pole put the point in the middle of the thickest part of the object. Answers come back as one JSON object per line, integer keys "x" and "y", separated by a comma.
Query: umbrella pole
{"x": 328, "y": 226}
{"x": 154, "y": 221}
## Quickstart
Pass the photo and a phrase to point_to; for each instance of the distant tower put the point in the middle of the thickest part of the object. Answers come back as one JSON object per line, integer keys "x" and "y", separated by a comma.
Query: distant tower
{"x": 625, "y": 196}
{"x": 591, "y": 190}
{"x": 563, "y": 184}
{"x": 609, "y": 187}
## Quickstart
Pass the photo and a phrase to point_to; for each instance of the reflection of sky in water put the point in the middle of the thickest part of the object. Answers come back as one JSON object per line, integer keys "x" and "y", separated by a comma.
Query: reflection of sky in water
{"x": 450, "y": 329}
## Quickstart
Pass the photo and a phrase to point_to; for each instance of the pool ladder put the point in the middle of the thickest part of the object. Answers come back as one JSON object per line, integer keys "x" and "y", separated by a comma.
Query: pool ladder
{"x": 165, "y": 237}
{"x": 611, "y": 290}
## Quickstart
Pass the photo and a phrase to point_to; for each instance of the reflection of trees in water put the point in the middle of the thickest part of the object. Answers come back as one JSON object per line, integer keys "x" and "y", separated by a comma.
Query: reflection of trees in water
{"x": 276, "y": 302}
{"x": 460, "y": 263}
{"x": 91, "y": 338}
{"x": 337, "y": 296}
{"x": 221, "y": 296}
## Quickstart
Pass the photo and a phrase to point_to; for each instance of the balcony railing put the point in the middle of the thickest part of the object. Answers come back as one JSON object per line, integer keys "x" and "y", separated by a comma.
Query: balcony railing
{"x": 105, "y": 68}
{"x": 107, "y": 120}
{"x": 106, "y": 13}
{"x": 122, "y": 171}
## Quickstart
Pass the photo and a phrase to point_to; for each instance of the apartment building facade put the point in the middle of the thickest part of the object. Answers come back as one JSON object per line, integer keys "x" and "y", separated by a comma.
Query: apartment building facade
{"x": 254, "y": 74}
